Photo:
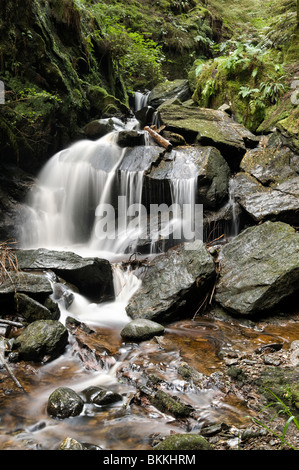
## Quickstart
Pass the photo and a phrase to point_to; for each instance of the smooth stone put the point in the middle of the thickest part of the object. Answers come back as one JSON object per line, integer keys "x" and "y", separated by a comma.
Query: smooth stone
{"x": 141, "y": 330}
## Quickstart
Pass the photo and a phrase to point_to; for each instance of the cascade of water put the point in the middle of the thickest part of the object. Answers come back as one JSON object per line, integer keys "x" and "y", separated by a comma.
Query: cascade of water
{"x": 140, "y": 100}
{"x": 182, "y": 225}
{"x": 87, "y": 200}
{"x": 235, "y": 223}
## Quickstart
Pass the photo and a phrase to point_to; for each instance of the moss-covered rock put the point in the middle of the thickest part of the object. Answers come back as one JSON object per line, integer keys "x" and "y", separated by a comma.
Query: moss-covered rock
{"x": 170, "y": 405}
{"x": 184, "y": 442}
{"x": 41, "y": 340}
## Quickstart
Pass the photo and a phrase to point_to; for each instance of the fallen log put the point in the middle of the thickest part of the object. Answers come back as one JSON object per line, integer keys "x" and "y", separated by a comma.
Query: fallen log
{"x": 159, "y": 139}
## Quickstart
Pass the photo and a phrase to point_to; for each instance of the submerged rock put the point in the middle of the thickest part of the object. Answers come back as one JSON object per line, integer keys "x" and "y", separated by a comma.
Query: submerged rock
{"x": 174, "y": 284}
{"x": 92, "y": 276}
{"x": 99, "y": 396}
{"x": 64, "y": 403}
{"x": 141, "y": 330}
{"x": 41, "y": 341}
{"x": 259, "y": 268}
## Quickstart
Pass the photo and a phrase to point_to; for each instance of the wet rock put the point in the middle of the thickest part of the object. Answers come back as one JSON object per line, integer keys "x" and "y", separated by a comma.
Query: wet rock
{"x": 92, "y": 276}
{"x": 141, "y": 329}
{"x": 206, "y": 165}
{"x": 209, "y": 127}
{"x": 62, "y": 295}
{"x": 171, "y": 405}
{"x": 100, "y": 127}
{"x": 162, "y": 92}
{"x": 64, "y": 403}
{"x": 184, "y": 442}
{"x": 100, "y": 397}
{"x": 31, "y": 310}
{"x": 14, "y": 186}
{"x": 268, "y": 187}
{"x": 70, "y": 443}
{"x": 190, "y": 374}
{"x": 130, "y": 138}
{"x": 42, "y": 340}
{"x": 173, "y": 284}
{"x": 266, "y": 203}
{"x": 259, "y": 268}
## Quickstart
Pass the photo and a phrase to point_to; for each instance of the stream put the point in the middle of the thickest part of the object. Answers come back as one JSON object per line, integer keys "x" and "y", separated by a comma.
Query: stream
{"x": 75, "y": 188}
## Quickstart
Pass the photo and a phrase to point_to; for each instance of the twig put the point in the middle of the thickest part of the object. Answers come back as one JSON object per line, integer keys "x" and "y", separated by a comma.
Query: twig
{"x": 10, "y": 322}
{"x": 2, "y": 360}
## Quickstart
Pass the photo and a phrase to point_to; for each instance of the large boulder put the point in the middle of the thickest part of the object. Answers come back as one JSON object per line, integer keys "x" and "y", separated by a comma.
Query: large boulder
{"x": 268, "y": 186}
{"x": 31, "y": 310}
{"x": 35, "y": 285}
{"x": 92, "y": 276}
{"x": 174, "y": 284}
{"x": 210, "y": 127}
{"x": 268, "y": 203}
{"x": 259, "y": 268}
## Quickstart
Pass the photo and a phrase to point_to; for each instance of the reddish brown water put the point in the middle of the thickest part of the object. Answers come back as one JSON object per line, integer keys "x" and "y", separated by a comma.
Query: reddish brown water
{"x": 25, "y": 424}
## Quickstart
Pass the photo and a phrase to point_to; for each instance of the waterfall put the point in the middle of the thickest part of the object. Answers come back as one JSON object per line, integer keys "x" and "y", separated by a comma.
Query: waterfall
{"x": 89, "y": 200}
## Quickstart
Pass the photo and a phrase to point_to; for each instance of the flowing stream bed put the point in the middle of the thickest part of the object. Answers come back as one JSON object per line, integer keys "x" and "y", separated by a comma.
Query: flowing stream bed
{"x": 63, "y": 213}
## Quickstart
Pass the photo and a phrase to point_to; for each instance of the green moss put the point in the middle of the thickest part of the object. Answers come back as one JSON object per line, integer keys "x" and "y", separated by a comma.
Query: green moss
{"x": 184, "y": 442}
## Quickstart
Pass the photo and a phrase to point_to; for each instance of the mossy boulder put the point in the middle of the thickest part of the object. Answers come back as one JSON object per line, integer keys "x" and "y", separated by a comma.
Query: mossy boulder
{"x": 209, "y": 127}
{"x": 41, "y": 341}
{"x": 186, "y": 442}
{"x": 176, "y": 89}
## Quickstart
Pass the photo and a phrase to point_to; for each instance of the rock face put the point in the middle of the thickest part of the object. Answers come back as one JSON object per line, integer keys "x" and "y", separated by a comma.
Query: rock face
{"x": 41, "y": 340}
{"x": 268, "y": 186}
{"x": 259, "y": 268}
{"x": 92, "y": 276}
{"x": 174, "y": 285}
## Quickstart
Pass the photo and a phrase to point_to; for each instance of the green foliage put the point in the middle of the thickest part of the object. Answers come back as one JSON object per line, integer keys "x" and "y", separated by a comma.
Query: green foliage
{"x": 136, "y": 55}
{"x": 282, "y": 409}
